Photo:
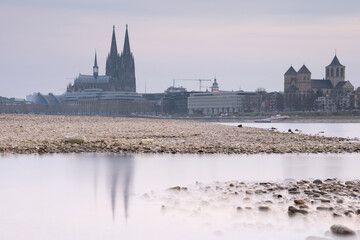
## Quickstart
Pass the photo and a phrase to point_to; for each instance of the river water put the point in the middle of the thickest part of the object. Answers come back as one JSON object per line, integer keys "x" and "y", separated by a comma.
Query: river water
{"x": 103, "y": 196}
{"x": 345, "y": 130}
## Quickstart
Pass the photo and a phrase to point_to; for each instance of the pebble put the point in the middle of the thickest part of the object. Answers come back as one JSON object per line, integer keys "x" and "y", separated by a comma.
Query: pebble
{"x": 337, "y": 215}
{"x": 317, "y": 181}
{"x": 294, "y": 192}
{"x": 292, "y": 210}
{"x": 342, "y": 230}
{"x": 264, "y": 208}
{"x": 74, "y": 139}
{"x": 304, "y": 206}
{"x": 178, "y": 188}
{"x": 323, "y": 208}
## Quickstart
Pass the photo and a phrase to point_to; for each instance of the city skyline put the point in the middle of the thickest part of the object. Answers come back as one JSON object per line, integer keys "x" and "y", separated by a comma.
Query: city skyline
{"x": 246, "y": 45}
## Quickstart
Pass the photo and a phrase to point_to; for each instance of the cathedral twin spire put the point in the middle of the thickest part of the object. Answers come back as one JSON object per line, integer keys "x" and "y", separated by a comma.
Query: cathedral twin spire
{"x": 126, "y": 49}
{"x": 113, "y": 48}
{"x": 121, "y": 67}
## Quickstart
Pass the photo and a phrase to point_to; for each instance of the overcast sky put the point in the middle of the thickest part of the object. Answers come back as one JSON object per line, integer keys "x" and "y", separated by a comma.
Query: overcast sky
{"x": 45, "y": 44}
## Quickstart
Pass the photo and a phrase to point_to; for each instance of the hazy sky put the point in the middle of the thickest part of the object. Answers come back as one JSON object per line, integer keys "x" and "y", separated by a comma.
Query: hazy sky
{"x": 45, "y": 44}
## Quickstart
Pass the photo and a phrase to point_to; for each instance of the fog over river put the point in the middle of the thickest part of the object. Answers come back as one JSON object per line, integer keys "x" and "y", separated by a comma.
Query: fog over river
{"x": 109, "y": 196}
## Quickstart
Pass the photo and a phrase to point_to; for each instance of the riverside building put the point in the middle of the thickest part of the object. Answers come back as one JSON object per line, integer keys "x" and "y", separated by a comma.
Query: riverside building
{"x": 218, "y": 102}
{"x": 302, "y": 93}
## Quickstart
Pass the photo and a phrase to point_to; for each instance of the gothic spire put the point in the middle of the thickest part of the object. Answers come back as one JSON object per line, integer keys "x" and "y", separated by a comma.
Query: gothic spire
{"x": 95, "y": 68}
{"x": 126, "y": 50}
{"x": 95, "y": 61}
{"x": 113, "y": 48}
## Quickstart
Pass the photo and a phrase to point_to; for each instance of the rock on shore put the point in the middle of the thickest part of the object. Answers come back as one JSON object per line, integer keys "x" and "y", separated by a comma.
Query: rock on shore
{"x": 342, "y": 230}
{"x": 50, "y": 134}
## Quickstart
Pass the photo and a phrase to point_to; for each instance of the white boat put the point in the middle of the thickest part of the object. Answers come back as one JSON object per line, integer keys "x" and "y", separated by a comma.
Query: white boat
{"x": 272, "y": 118}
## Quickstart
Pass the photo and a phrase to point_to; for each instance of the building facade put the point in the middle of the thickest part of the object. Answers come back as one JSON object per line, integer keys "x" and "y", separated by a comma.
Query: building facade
{"x": 119, "y": 75}
{"x": 302, "y": 93}
{"x": 357, "y": 98}
{"x": 223, "y": 102}
{"x": 99, "y": 102}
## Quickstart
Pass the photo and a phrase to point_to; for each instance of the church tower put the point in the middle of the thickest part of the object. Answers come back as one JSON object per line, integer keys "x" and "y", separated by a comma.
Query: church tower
{"x": 289, "y": 78}
{"x": 303, "y": 79}
{"x": 335, "y": 72}
{"x": 112, "y": 60}
{"x": 127, "y": 67}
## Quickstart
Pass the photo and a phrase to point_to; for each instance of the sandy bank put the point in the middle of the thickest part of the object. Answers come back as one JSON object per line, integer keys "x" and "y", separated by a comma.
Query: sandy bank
{"x": 54, "y": 134}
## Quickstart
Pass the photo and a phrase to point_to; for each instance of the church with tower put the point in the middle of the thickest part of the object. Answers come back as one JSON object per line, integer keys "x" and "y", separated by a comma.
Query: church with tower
{"x": 119, "y": 75}
{"x": 301, "y": 92}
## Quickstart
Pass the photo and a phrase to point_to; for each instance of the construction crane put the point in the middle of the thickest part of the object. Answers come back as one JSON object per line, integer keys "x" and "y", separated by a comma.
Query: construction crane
{"x": 200, "y": 81}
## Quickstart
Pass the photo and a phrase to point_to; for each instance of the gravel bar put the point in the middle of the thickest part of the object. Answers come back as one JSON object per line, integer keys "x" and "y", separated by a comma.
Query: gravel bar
{"x": 75, "y": 134}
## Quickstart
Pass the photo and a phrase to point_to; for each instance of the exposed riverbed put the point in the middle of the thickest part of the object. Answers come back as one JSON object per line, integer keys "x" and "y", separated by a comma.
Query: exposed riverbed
{"x": 70, "y": 134}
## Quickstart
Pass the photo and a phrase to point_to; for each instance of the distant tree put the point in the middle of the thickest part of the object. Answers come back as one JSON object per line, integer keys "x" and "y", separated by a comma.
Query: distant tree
{"x": 319, "y": 93}
{"x": 260, "y": 89}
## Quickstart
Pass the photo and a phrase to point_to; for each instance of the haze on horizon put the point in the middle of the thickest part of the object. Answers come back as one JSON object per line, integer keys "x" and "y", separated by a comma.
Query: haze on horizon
{"x": 246, "y": 44}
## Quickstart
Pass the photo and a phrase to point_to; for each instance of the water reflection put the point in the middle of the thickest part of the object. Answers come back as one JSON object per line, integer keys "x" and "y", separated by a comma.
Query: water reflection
{"x": 119, "y": 174}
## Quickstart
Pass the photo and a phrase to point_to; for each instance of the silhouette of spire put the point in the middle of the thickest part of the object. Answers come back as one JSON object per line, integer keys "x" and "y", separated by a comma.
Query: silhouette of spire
{"x": 126, "y": 50}
{"x": 95, "y": 68}
{"x": 95, "y": 62}
{"x": 113, "y": 48}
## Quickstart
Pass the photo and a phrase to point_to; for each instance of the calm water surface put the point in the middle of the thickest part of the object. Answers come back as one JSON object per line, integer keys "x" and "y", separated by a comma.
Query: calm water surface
{"x": 345, "y": 130}
{"x": 99, "y": 196}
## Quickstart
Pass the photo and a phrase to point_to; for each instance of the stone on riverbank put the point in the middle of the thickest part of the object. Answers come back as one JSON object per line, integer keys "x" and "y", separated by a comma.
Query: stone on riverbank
{"x": 342, "y": 230}
{"x": 74, "y": 139}
{"x": 292, "y": 210}
{"x": 299, "y": 202}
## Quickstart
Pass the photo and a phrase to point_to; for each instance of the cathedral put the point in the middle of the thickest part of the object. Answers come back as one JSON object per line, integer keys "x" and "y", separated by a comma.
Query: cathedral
{"x": 301, "y": 92}
{"x": 120, "y": 71}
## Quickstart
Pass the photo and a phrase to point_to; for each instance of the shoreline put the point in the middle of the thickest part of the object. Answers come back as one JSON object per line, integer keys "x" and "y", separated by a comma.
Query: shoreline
{"x": 25, "y": 134}
{"x": 331, "y": 119}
